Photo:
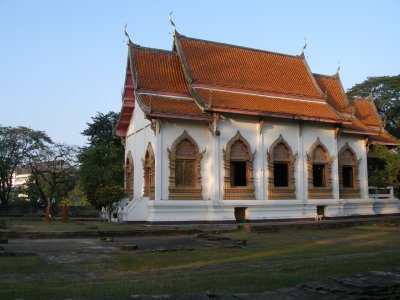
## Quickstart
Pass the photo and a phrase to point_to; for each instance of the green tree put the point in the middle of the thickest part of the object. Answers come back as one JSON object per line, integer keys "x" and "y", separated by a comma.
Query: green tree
{"x": 53, "y": 172}
{"x": 386, "y": 96}
{"x": 16, "y": 147}
{"x": 101, "y": 162}
{"x": 390, "y": 175}
{"x": 76, "y": 192}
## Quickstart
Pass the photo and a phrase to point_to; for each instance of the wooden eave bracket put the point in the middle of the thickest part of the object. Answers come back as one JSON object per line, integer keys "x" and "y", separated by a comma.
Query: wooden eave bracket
{"x": 213, "y": 124}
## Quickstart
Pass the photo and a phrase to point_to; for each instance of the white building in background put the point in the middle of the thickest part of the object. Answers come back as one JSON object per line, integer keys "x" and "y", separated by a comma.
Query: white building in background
{"x": 218, "y": 133}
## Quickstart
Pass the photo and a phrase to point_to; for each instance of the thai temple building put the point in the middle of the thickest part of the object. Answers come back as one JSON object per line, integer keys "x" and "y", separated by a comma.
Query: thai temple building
{"x": 218, "y": 133}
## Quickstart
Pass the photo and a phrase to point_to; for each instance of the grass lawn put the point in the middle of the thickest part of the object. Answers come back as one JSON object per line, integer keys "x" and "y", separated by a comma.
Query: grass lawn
{"x": 272, "y": 260}
{"x": 20, "y": 225}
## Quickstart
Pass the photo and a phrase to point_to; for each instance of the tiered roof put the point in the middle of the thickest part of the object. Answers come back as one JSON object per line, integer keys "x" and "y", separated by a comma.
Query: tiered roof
{"x": 198, "y": 78}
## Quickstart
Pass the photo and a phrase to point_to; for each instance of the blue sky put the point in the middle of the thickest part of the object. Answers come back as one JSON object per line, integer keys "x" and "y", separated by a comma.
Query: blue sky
{"x": 62, "y": 61}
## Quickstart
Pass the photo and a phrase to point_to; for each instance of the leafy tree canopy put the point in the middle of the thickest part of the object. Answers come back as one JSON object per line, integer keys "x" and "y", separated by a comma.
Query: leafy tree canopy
{"x": 17, "y": 145}
{"x": 53, "y": 172}
{"x": 390, "y": 175}
{"x": 101, "y": 162}
{"x": 386, "y": 96}
{"x": 101, "y": 131}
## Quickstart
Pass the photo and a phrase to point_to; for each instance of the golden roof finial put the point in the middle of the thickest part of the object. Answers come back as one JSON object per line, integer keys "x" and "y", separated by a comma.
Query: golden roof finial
{"x": 172, "y": 22}
{"x": 338, "y": 68}
{"x": 127, "y": 35}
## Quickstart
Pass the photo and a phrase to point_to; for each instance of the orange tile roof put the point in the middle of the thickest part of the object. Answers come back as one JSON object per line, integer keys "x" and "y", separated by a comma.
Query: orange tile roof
{"x": 365, "y": 111}
{"x": 233, "y": 66}
{"x": 357, "y": 126}
{"x": 159, "y": 70}
{"x": 384, "y": 138}
{"x": 335, "y": 94}
{"x": 172, "y": 105}
{"x": 248, "y": 102}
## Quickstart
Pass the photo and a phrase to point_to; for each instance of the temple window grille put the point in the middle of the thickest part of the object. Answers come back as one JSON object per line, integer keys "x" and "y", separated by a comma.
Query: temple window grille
{"x": 348, "y": 173}
{"x": 238, "y": 165}
{"x": 319, "y": 172}
{"x": 129, "y": 182}
{"x": 185, "y": 169}
{"x": 149, "y": 170}
{"x": 281, "y": 181}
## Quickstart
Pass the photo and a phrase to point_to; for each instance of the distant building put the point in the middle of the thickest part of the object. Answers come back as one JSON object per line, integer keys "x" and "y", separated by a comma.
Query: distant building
{"x": 218, "y": 132}
{"x": 23, "y": 173}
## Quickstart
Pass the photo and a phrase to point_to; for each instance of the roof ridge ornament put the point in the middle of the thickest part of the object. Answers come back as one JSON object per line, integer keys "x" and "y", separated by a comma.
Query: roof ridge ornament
{"x": 128, "y": 42}
{"x": 338, "y": 68}
{"x": 172, "y": 23}
{"x": 371, "y": 94}
{"x": 305, "y": 46}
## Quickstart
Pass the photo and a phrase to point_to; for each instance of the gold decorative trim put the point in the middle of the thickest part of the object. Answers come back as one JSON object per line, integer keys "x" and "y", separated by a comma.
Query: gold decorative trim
{"x": 129, "y": 176}
{"x": 184, "y": 193}
{"x": 148, "y": 172}
{"x": 232, "y": 192}
{"x": 260, "y": 125}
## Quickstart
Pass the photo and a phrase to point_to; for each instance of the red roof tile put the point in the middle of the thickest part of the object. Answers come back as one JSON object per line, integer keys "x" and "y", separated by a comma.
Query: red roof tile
{"x": 226, "y": 65}
{"x": 159, "y": 70}
{"x": 365, "y": 111}
{"x": 384, "y": 138}
{"x": 335, "y": 94}
{"x": 172, "y": 105}
{"x": 240, "y": 101}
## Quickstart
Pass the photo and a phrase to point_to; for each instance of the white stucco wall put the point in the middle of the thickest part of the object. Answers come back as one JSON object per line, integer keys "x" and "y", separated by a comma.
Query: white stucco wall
{"x": 212, "y": 207}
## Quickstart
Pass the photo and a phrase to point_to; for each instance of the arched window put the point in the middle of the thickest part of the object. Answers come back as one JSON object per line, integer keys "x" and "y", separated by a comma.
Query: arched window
{"x": 281, "y": 184}
{"x": 185, "y": 165}
{"x": 348, "y": 173}
{"x": 238, "y": 165}
{"x": 129, "y": 183}
{"x": 148, "y": 171}
{"x": 319, "y": 172}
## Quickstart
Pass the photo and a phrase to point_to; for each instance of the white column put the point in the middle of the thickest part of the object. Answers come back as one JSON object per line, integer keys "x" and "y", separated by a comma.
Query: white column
{"x": 263, "y": 154}
{"x": 301, "y": 172}
{"x": 363, "y": 171}
{"x": 159, "y": 163}
{"x": 335, "y": 167}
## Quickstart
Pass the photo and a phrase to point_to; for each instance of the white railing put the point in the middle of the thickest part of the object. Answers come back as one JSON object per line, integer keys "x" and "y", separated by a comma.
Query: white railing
{"x": 381, "y": 193}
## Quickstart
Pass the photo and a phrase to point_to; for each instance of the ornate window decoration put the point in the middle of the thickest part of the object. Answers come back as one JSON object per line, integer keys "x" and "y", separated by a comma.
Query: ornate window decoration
{"x": 319, "y": 172}
{"x": 148, "y": 171}
{"x": 281, "y": 181}
{"x": 348, "y": 173}
{"x": 185, "y": 167}
{"x": 238, "y": 165}
{"x": 129, "y": 182}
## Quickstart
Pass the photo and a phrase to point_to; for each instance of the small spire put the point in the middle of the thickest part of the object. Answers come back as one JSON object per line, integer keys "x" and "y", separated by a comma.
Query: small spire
{"x": 338, "y": 68}
{"x": 127, "y": 35}
{"x": 305, "y": 46}
{"x": 371, "y": 94}
{"x": 172, "y": 23}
